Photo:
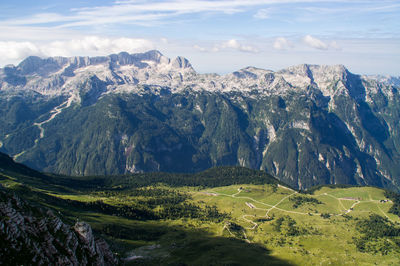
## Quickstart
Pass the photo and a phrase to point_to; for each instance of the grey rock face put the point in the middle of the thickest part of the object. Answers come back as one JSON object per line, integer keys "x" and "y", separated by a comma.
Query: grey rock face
{"x": 34, "y": 236}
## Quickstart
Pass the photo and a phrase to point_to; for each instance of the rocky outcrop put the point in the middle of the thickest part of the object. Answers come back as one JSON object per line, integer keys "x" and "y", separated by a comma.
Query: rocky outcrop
{"x": 35, "y": 236}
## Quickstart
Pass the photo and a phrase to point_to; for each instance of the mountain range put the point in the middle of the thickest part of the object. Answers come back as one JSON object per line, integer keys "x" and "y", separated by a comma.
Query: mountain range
{"x": 125, "y": 113}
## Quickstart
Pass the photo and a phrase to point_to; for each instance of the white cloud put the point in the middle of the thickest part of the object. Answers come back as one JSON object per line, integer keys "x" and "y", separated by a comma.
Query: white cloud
{"x": 335, "y": 45}
{"x": 94, "y": 44}
{"x": 262, "y": 14}
{"x": 320, "y": 45}
{"x": 40, "y": 18}
{"x": 91, "y": 45}
{"x": 141, "y": 12}
{"x": 315, "y": 43}
{"x": 164, "y": 40}
{"x": 37, "y": 34}
{"x": 200, "y": 48}
{"x": 234, "y": 44}
{"x": 17, "y": 50}
{"x": 282, "y": 43}
{"x": 228, "y": 45}
{"x": 137, "y": 12}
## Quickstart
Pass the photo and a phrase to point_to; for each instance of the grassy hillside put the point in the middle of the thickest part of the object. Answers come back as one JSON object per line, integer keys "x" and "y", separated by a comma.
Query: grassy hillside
{"x": 309, "y": 229}
{"x": 222, "y": 221}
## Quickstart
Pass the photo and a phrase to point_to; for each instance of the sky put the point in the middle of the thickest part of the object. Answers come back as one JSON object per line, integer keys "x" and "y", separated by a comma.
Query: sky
{"x": 218, "y": 36}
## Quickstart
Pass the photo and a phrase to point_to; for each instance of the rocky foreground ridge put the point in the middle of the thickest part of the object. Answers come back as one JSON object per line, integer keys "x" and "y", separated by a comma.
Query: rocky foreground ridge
{"x": 128, "y": 113}
{"x": 36, "y": 236}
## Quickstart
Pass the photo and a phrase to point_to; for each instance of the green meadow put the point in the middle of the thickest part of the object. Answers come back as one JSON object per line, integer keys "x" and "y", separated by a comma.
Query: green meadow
{"x": 236, "y": 224}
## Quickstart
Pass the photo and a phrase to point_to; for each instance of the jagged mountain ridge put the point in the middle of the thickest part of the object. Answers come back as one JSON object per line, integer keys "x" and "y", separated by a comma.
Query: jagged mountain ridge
{"x": 122, "y": 113}
{"x": 129, "y": 72}
{"x": 34, "y": 235}
{"x": 60, "y": 75}
{"x": 390, "y": 80}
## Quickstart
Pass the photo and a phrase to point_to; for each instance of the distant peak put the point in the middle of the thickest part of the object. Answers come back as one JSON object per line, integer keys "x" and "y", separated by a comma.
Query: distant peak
{"x": 245, "y": 73}
{"x": 306, "y": 67}
{"x": 309, "y": 70}
{"x": 123, "y": 54}
{"x": 153, "y": 55}
{"x": 330, "y": 68}
{"x": 252, "y": 68}
{"x": 30, "y": 64}
{"x": 181, "y": 62}
{"x": 35, "y": 64}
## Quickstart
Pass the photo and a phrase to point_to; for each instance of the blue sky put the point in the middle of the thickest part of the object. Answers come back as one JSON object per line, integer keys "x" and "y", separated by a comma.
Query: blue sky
{"x": 215, "y": 35}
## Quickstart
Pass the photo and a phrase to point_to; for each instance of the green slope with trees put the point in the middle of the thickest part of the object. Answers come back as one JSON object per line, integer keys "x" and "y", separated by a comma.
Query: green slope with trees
{"x": 298, "y": 138}
{"x": 215, "y": 217}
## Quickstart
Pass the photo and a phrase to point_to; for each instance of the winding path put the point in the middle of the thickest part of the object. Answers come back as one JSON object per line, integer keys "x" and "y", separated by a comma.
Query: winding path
{"x": 271, "y": 207}
{"x": 57, "y": 110}
{"x": 53, "y": 113}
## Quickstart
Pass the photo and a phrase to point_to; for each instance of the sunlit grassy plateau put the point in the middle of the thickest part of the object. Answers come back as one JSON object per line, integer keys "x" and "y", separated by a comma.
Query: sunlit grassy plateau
{"x": 149, "y": 219}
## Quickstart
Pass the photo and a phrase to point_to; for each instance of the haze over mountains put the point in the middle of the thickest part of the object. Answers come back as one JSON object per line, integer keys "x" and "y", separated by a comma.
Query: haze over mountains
{"x": 123, "y": 113}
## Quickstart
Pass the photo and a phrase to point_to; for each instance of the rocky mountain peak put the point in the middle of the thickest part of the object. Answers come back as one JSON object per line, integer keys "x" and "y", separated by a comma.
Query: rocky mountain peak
{"x": 37, "y": 65}
{"x": 248, "y": 72}
{"x": 181, "y": 63}
{"x": 153, "y": 55}
{"x": 308, "y": 70}
{"x": 124, "y": 72}
{"x": 45, "y": 66}
{"x": 389, "y": 80}
{"x": 30, "y": 64}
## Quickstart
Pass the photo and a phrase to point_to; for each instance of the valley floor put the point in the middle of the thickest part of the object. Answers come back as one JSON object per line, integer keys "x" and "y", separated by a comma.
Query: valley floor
{"x": 326, "y": 231}
{"x": 244, "y": 224}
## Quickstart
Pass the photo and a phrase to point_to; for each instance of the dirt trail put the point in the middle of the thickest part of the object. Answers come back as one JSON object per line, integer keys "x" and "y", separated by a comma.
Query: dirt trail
{"x": 57, "y": 110}
{"x": 279, "y": 202}
{"x": 271, "y": 207}
{"x": 53, "y": 113}
{"x": 379, "y": 207}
